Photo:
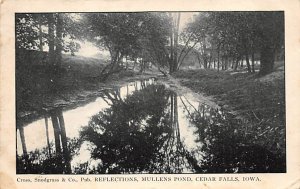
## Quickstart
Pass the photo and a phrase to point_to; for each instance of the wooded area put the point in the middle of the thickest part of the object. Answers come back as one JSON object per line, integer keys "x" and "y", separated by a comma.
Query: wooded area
{"x": 220, "y": 40}
{"x": 147, "y": 70}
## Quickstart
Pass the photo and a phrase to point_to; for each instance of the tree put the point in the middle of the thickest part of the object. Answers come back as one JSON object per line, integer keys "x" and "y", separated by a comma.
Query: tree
{"x": 51, "y": 38}
{"x": 147, "y": 118}
{"x": 27, "y": 32}
{"x": 129, "y": 34}
{"x": 31, "y": 33}
{"x": 154, "y": 39}
{"x": 59, "y": 38}
{"x": 116, "y": 32}
{"x": 173, "y": 62}
{"x": 72, "y": 47}
{"x": 29, "y": 29}
{"x": 243, "y": 33}
{"x": 271, "y": 33}
{"x": 195, "y": 39}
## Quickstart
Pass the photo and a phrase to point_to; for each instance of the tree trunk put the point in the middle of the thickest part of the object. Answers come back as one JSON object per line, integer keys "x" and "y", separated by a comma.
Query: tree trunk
{"x": 23, "y": 141}
{"x": 222, "y": 62}
{"x": 226, "y": 63}
{"x": 142, "y": 66}
{"x": 126, "y": 63}
{"x": 247, "y": 57}
{"x": 134, "y": 63}
{"x": 236, "y": 63}
{"x": 204, "y": 61}
{"x": 218, "y": 59}
{"x": 59, "y": 29}
{"x": 114, "y": 62}
{"x": 56, "y": 133}
{"x": 204, "y": 54}
{"x": 171, "y": 51}
{"x": 214, "y": 63}
{"x": 63, "y": 131}
{"x": 51, "y": 36}
{"x": 173, "y": 62}
{"x": 40, "y": 33}
{"x": 253, "y": 69}
{"x": 47, "y": 136}
{"x": 248, "y": 63}
{"x": 242, "y": 62}
{"x": 177, "y": 21}
{"x": 199, "y": 59}
{"x": 267, "y": 58}
{"x": 64, "y": 142}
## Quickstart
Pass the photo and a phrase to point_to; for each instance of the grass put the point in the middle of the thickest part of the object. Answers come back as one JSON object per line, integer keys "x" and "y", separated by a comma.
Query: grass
{"x": 260, "y": 104}
{"x": 38, "y": 82}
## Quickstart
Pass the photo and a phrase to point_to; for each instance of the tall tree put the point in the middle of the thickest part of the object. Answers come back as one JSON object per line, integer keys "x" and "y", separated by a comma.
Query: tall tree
{"x": 174, "y": 35}
{"x": 59, "y": 39}
{"x": 243, "y": 33}
{"x": 271, "y": 32}
{"x": 51, "y": 38}
{"x": 116, "y": 32}
{"x": 140, "y": 35}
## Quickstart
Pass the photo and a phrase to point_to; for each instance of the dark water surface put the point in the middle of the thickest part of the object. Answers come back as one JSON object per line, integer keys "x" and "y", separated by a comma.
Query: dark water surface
{"x": 142, "y": 127}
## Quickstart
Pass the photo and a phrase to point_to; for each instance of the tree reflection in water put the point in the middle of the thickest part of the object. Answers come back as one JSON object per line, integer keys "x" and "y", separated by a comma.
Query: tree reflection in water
{"x": 227, "y": 149}
{"x": 141, "y": 135}
{"x": 56, "y": 156}
{"x": 144, "y": 133}
{"x": 138, "y": 134}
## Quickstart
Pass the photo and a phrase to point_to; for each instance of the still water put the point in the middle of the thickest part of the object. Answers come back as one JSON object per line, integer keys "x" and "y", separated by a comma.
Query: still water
{"x": 141, "y": 127}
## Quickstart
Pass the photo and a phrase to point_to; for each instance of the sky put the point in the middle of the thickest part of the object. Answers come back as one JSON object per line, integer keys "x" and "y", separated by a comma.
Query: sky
{"x": 185, "y": 18}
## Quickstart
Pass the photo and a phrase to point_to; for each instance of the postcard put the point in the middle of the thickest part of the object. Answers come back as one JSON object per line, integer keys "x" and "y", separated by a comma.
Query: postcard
{"x": 149, "y": 94}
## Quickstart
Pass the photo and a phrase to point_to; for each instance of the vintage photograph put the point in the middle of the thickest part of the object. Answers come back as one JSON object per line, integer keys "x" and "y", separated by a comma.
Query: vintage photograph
{"x": 150, "y": 92}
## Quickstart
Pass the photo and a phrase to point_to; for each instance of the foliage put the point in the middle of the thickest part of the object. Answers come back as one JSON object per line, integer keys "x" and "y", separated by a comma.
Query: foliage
{"x": 153, "y": 43}
{"x": 137, "y": 35}
{"x": 117, "y": 32}
{"x": 72, "y": 47}
{"x": 26, "y": 31}
{"x": 32, "y": 31}
{"x": 262, "y": 104}
{"x": 41, "y": 162}
{"x": 236, "y": 34}
{"x": 127, "y": 135}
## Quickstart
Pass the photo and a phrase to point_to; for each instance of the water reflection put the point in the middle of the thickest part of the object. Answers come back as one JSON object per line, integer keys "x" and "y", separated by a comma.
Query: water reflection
{"x": 55, "y": 157}
{"x": 226, "y": 147}
{"x": 145, "y": 128}
{"x": 139, "y": 134}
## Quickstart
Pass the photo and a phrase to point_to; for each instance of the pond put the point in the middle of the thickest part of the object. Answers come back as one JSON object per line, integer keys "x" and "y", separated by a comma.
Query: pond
{"x": 141, "y": 127}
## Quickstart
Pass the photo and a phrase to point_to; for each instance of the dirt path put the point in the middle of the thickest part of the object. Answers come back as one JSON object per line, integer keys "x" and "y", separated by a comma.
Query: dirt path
{"x": 174, "y": 84}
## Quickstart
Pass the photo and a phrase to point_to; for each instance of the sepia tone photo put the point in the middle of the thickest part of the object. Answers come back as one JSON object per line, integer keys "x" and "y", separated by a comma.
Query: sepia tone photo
{"x": 150, "y": 92}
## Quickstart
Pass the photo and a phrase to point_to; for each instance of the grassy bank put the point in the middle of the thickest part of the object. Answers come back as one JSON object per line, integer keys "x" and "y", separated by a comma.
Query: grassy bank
{"x": 260, "y": 102}
{"x": 40, "y": 85}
